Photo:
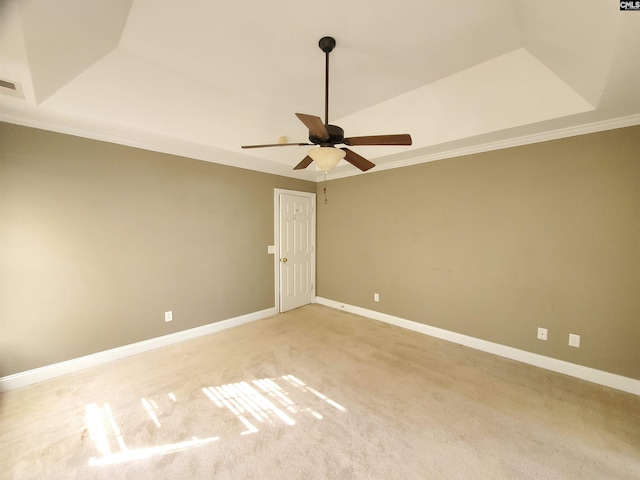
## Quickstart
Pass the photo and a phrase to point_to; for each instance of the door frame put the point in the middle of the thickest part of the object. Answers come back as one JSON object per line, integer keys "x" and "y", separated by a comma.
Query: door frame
{"x": 276, "y": 240}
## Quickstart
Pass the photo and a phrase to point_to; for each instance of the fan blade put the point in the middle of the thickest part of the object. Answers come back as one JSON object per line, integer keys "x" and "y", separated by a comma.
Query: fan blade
{"x": 402, "y": 139}
{"x": 276, "y": 145}
{"x": 315, "y": 125}
{"x": 357, "y": 160}
{"x": 306, "y": 161}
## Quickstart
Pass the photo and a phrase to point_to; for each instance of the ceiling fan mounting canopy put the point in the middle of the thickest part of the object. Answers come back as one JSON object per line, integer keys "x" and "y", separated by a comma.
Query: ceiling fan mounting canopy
{"x": 325, "y": 135}
{"x": 327, "y": 44}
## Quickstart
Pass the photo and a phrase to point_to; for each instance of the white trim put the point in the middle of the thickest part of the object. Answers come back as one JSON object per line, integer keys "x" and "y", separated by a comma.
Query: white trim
{"x": 162, "y": 144}
{"x": 30, "y": 377}
{"x": 594, "y": 127}
{"x": 276, "y": 240}
{"x": 158, "y": 143}
{"x": 276, "y": 246}
{"x": 600, "y": 377}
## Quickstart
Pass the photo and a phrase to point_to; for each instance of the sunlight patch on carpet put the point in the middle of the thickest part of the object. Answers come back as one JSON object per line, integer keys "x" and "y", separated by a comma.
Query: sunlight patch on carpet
{"x": 257, "y": 404}
{"x": 100, "y": 420}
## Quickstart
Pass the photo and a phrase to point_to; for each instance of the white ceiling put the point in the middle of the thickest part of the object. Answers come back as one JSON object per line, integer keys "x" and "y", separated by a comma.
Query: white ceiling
{"x": 200, "y": 78}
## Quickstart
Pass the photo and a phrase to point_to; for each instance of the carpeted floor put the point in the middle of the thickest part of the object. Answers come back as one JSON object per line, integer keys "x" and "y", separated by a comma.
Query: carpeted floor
{"x": 318, "y": 393}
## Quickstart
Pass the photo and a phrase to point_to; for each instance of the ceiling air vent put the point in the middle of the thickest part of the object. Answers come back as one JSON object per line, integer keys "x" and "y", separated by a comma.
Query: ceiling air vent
{"x": 12, "y": 89}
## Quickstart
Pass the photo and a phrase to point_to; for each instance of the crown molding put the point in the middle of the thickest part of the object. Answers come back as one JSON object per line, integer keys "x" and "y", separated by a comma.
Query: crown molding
{"x": 157, "y": 143}
{"x": 160, "y": 144}
{"x": 594, "y": 127}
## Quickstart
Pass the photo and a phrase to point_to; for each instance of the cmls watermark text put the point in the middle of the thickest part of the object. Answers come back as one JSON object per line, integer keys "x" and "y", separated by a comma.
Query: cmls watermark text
{"x": 626, "y": 5}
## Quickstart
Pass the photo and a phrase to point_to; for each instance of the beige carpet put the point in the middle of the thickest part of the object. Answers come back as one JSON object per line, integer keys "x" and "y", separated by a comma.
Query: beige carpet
{"x": 318, "y": 394}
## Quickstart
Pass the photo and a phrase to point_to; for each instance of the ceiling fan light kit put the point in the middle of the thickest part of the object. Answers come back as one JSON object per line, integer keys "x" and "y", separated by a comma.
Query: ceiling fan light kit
{"x": 326, "y": 157}
{"x": 327, "y": 136}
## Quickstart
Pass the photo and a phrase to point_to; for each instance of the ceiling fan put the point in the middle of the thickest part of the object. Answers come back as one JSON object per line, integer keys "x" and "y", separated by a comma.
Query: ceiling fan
{"x": 327, "y": 136}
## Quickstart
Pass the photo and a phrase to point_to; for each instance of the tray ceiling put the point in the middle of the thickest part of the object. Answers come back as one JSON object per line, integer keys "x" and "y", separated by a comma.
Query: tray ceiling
{"x": 199, "y": 78}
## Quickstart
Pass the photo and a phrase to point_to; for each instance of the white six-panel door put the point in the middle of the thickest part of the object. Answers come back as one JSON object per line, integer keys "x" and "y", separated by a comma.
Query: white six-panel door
{"x": 296, "y": 249}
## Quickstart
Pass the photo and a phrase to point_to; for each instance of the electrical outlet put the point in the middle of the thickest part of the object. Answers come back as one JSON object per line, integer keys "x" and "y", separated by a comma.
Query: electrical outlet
{"x": 376, "y": 297}
{"x": 168, "y": 316}
{"x": 542, "y": 333}
{"x": 574, "y": 340}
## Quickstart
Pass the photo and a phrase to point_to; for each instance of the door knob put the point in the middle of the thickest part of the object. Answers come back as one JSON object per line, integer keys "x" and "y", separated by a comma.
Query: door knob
{"x": 284, "y": 260}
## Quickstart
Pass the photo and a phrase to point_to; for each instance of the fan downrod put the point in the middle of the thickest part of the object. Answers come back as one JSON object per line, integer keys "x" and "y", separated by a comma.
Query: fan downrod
{"x": 324, "y": 134}
{"x": 327, "y": 44}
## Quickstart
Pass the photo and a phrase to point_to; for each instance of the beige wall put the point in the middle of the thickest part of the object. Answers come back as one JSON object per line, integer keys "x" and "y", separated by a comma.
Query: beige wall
{"x": 99, "y": 240}
{"x": 496, "y": 244}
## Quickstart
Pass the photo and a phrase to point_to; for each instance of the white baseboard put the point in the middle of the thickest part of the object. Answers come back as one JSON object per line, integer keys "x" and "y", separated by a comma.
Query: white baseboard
{"x": 30, "y": 377}
{"x": 600, "y": 377}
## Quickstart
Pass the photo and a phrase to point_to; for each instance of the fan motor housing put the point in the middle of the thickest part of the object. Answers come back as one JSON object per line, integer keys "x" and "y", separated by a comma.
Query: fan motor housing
{"x": 336, "y": 135}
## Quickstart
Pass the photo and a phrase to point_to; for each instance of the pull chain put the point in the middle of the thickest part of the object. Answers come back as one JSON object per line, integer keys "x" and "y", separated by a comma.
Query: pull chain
{"x": 324, "y": 190}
